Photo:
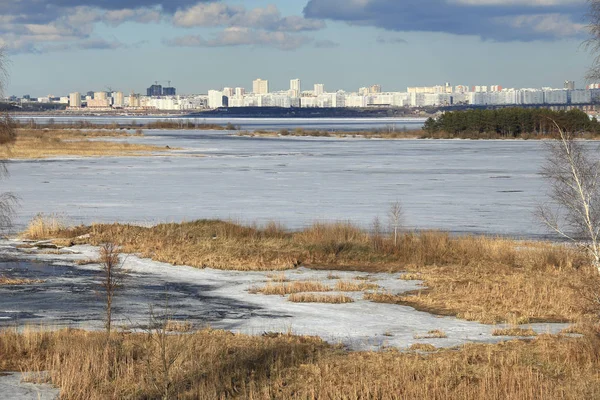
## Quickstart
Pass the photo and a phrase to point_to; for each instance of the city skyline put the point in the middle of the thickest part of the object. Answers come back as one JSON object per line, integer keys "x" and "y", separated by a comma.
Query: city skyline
{"x": 200, "y": 45}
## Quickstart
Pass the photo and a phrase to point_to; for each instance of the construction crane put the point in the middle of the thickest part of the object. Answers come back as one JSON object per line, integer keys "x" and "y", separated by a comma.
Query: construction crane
{"x": 168, "y": 83}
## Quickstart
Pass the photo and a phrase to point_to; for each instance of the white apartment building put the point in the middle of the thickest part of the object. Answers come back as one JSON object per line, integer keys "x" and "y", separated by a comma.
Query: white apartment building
{"x": 215, "y": 99}
{"x": 295, "y": 88}
{"x": 555, "y": 96}
{"x": 75, "y": 100}
{"x": 260, "y": 86}
{"x": 581, "y": 96}
{"x": 118, "y": 100}
{"x": 531, "y": 96}
{"x": 319, "y": 89}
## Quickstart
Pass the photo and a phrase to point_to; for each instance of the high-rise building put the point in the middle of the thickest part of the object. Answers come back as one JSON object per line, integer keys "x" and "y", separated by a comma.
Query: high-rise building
{"x": 169, "y": 91}
{"x": 118, "y": 100}
{"x": 215, "y": 99}
{"x": 75, "y": 100}
{"x": 134, "y": 100}
{"x": 240, "y": 92}
{"x": 228, "y": 92}
{"x": 375, "y": 89}
{"x": 260, "y": 86}
{"x": 570, "y": 85}
{"x": 154, "y": 90}
{"x": 295, "y": 88}
{"x": 319, "y": 89}
{"x": 100, "y": 100}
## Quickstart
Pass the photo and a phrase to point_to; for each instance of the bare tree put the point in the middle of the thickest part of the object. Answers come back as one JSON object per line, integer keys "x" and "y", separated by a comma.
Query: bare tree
{"x": 396, "y": 215}
{"x": 112, "y": 278}
{"x": 8, "y": 201}
{"x": 573, "y": 211}
{"x": 593, "y": 43}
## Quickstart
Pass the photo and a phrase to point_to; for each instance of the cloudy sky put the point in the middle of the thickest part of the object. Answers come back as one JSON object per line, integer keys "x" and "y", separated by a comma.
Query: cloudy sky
{"x": 58, "y": 46}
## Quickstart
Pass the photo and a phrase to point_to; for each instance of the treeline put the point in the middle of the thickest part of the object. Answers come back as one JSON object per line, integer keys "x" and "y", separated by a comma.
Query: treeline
{"x": 511, "y": 122}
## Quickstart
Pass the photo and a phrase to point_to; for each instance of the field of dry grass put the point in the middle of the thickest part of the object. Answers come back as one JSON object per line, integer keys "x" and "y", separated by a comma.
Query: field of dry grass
{"x": 319, "y": 298}
{"x": 218, "y": 365}
{"x": 476, "y": 278}
{"x": 17, "y": 281}
{"x": 47, "y": 143}
{"x": 375, "y": 134}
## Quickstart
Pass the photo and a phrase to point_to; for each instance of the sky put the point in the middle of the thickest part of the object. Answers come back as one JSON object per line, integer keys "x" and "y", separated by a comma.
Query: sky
{"x": 61, "y": 46}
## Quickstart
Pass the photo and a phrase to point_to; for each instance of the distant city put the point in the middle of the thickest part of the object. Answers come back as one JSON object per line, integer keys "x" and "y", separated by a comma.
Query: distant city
{"x": 165, "y": 98}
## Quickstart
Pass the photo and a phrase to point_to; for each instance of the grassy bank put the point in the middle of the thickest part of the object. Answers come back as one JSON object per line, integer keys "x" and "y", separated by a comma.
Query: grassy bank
{"x": 401, "y": 134}
{"x": 219, "y": 365}
{"x": 163, "y": 124}
{"x": 41, "y": 143}
{"x": 475, "y": 278}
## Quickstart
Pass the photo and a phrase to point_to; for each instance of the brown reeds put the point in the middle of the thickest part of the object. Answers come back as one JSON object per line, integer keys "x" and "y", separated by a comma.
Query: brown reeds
{"x": 38, "y": 144}
{"x": 285, "y": 288}
{"x": 44, "y": 226}
{"x": 17, "y": 281}
{"x": 514, "y": 331}
{"x": 219, "y": 364}
{"x": 472, "y": 277}
{"x": 319, "y": 298}
{"x": 433, "y": 334}
{"x": 348, "y": 286}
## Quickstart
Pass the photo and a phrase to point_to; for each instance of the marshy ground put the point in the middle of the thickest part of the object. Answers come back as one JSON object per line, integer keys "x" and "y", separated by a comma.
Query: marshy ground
{"x": 246, "y": 280}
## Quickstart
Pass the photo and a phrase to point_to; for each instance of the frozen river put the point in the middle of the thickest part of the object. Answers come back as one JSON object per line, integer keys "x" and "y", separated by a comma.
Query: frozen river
{"x": 462, "y": 186}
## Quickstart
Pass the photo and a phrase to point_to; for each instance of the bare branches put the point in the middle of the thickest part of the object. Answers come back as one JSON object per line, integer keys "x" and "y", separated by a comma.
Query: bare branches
{"x": 592, "y": 44}
{"x": 573, "y": 209}
{"x": 112, "y": 278}
{"x": 396, "y": 216}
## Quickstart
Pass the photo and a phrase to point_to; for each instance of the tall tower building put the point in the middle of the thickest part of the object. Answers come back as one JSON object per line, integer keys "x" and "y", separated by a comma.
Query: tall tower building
{"x": 75, "y": 100}
{"x": 118, "y": 100}
{"x": 240, "y": 92}
{"x": 295, "y": 88}
{"x": 260, "y": 86}
{"x": 319, "y": 89}
{"x": 570, "y": 85}
{"x": 375, "y": 89}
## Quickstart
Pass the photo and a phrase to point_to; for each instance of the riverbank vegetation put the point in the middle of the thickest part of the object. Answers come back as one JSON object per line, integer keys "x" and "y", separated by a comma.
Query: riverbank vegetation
{"x": 473, "y": 277}
{"x": 175, "y": 124}
{"x": 220, "y": 365}
{"x": 505, "y": 123}
{"x": 47, "y": 143}
{"x": 512, "y": 122}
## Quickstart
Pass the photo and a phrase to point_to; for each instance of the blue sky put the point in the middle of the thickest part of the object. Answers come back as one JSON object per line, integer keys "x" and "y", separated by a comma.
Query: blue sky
{"x": 59, "y": 46}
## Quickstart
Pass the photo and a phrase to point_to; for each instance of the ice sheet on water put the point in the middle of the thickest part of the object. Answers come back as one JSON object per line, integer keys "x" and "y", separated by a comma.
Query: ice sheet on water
{"x": 443, "y": 184}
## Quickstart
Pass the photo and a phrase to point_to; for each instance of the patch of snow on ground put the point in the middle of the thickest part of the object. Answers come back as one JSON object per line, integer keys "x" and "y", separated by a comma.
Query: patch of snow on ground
{"x": 220, "y": 299}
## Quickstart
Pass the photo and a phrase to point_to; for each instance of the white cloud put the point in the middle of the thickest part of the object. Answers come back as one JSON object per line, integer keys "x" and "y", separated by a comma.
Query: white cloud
{"x": 239, "y": 36}
{"x": 556, "y": 25}
{"x": 531, "y": 3}
{"x": 218, "y": 14}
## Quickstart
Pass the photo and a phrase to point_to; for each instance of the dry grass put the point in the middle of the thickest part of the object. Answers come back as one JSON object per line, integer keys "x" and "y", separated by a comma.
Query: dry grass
{"x": 278, "y": 277}
{"x": 44, "y": 226}
{"x": 38, "y": 144}
{"x": 219, "y": 365}
{"x": 434, "y": 334}
{"x": 17, "y": 281}
{"x": 319, "y": 298}
{"x": 283, "y": 289}
{"x": 346, "y": 286}
{"x": 411, "y": 277}
{"x": 514, "y": 331}
{"x": 178, "y": 326}
{"x": 426, "y": 347}
{"x": 477, "y": 278}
